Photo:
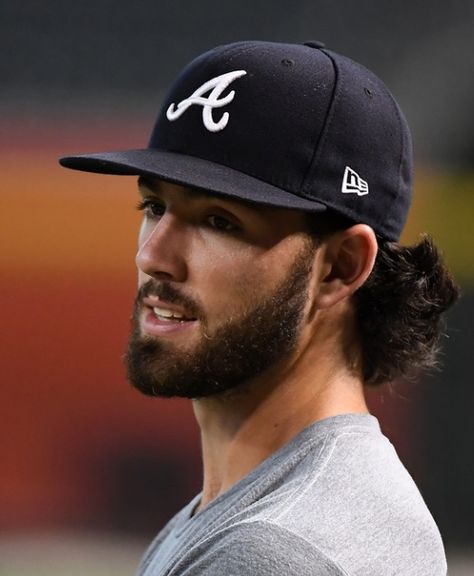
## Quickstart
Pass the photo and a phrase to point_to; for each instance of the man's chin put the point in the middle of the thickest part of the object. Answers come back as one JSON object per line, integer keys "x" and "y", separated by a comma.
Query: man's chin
{"x": 156, "y": 374}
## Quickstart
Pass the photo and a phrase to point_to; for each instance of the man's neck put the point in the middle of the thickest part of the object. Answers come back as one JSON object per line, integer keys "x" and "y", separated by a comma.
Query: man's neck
{"x": 242, "y": 428}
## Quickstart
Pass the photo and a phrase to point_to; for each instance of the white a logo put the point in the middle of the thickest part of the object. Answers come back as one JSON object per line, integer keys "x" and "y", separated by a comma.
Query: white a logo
{"x": 353, "y": 183}
{"x": 216, "y": 86}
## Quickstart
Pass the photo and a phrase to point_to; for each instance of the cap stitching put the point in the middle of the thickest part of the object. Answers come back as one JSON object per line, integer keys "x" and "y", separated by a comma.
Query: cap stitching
{"x": 402, "y": 138}
{"x": 322, "y": 138}
{"x": 389, "y": 229}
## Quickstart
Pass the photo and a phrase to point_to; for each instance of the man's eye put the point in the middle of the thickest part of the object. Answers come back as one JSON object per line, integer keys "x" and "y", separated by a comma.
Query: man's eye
{"x": 151, "y": 208}
{"x": 222, "y": 224}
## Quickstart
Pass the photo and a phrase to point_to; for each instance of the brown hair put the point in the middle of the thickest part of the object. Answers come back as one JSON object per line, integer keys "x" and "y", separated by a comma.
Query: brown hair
{"x": 400, "y": 309}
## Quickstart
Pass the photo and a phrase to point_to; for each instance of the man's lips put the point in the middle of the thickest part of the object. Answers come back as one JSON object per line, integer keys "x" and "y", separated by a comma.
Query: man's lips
{"x": 166, "y": 311}
{"x": 161, "y": 318}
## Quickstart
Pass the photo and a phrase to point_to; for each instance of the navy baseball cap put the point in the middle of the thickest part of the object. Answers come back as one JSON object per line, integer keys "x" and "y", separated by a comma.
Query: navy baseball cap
{"x": 289, "y": 125}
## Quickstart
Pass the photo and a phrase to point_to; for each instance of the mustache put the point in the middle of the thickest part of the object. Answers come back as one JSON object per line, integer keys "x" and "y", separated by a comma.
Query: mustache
{"x": 168, "y": 293}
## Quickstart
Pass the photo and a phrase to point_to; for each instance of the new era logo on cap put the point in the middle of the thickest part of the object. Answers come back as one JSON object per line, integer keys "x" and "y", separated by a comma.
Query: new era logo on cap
{"x": 352, "y": 183}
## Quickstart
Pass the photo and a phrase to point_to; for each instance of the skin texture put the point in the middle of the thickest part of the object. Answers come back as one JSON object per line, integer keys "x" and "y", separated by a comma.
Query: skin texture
{"x": 221, "y": 257}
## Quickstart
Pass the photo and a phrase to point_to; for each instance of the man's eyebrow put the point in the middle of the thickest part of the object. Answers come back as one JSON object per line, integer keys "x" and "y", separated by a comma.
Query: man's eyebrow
{"x": 154, "y": 186}
{"x": 149, "y": 184}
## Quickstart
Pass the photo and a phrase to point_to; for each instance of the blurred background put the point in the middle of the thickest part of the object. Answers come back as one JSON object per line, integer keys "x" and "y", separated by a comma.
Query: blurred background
{"x": 89, "y": 469}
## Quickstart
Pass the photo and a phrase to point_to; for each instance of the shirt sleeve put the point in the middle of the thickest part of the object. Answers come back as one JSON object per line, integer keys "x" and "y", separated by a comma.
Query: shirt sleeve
{"x": 256, "y": 549}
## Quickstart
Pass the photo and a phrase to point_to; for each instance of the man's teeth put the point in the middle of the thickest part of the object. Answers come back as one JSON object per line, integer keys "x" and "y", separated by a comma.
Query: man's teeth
{"x": 167, "y": 314}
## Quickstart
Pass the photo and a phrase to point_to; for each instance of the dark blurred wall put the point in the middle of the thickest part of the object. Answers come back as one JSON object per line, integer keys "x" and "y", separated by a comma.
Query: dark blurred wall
{"x": 449, "y": 485}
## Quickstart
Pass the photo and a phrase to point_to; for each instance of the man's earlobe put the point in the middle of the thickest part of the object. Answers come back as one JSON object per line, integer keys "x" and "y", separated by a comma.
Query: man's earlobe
{"x": 349, "y": 258}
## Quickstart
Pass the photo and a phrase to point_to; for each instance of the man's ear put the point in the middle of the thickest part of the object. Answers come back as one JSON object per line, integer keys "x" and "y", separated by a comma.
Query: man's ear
{"x": 348, "y": 259}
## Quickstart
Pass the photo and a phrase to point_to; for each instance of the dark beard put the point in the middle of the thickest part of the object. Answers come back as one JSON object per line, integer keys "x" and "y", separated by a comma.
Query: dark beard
{"x": 239, "y": 350}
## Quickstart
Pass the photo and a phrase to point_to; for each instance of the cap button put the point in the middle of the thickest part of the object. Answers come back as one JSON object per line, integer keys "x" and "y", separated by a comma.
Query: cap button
{"x": 315, "y": 44}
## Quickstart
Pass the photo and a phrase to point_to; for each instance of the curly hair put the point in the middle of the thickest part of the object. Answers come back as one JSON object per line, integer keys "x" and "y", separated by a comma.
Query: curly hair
{"x": 399, "y": 310}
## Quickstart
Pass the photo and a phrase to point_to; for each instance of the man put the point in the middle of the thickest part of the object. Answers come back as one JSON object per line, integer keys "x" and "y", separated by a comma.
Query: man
{"x": 272, "y": 290}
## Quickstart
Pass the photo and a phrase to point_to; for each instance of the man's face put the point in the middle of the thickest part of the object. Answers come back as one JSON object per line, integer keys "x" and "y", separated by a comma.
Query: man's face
{"x": 222, "y": 294}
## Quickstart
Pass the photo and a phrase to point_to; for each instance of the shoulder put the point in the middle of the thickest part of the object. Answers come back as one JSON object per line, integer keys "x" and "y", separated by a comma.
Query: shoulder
{"x": 258, "y": 547}
{"x": 362, "y": 508}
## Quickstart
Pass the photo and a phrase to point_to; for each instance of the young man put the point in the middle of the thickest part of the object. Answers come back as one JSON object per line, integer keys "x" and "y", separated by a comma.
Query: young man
{"x": 272, "y": 290}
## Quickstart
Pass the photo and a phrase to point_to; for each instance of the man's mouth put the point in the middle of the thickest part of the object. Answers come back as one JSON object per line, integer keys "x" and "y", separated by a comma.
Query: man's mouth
{"x": 169, "y": 315}
{"x": 161, "y": 318}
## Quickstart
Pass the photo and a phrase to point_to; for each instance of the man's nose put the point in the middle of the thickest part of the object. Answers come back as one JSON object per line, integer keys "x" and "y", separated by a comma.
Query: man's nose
{"x": 162, "y": 249}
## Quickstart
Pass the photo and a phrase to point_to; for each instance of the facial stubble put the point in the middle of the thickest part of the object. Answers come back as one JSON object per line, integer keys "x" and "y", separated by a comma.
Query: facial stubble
{"x": 238, "y": 351}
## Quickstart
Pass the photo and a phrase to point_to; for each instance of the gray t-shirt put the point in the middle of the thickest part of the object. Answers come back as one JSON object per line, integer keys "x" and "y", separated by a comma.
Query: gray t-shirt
{"x": 335, "y": 501}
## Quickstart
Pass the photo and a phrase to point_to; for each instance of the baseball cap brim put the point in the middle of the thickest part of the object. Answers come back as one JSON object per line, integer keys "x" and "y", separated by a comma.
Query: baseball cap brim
{"x": 190, "y": 171}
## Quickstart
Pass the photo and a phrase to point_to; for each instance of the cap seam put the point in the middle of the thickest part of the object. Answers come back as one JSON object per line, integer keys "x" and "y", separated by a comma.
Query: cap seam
{"x": 402, "y": 136}
{"x": 322, "y": 138}
{"x": 388, "y": 228}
